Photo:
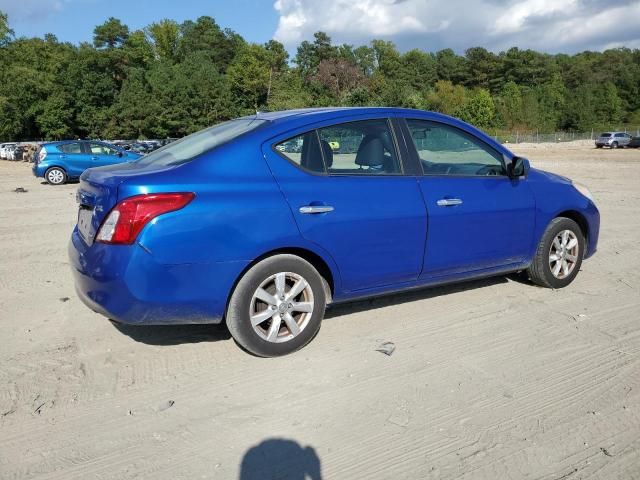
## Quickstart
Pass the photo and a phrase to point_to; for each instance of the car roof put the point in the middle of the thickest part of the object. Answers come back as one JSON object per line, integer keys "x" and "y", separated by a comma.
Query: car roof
{"x": 308, "y": 113}
{"x": 290, "y": 119}
{"x": 65, "y": 142}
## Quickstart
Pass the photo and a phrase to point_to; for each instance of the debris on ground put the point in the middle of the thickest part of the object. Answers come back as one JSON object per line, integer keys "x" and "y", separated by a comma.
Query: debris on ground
{"x": 387, "y": 348}
{"x": 606, "y": 452}
{"x": 64, "y": 299}
{"x": 20, "y": 190}
{"x": 166, "y": 405}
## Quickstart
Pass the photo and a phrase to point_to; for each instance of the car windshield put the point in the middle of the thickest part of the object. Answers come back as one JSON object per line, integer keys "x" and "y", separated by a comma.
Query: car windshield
{"x": 605, "y": 135}
{"x": 187, "y": 148}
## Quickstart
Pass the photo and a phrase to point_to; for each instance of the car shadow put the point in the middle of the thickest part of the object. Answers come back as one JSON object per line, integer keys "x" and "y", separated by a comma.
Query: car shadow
{"x": 184, "y": 334}
{"x": 173, "y": 334}
{"x": 424, "y": 293}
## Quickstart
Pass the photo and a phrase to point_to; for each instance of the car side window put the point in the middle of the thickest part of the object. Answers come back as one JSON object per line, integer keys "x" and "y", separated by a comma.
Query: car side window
{"x": 98, "y": 149}
{"x": 360, "y": 148}
{"x": 446, "y": 150}
{"x": 71, "y": 148}
{"x": 304, "y": 151}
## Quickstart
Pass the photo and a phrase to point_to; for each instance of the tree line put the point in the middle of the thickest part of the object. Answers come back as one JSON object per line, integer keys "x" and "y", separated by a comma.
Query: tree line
{"x": 171, "y": 79}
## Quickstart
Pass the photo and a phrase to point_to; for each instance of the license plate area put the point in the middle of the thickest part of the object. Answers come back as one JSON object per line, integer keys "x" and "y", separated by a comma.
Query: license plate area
{"x": 85, "y": 227}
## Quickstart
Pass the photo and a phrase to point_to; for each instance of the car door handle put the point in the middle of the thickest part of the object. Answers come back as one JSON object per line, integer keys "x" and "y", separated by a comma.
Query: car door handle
{"x": 449, "y": 202}
{"x": 316, "y": 209}
{"x": 94, "y": 158}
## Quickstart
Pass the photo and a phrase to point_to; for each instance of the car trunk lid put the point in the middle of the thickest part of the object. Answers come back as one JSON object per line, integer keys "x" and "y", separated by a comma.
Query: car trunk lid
{"x": 99, "y": 192}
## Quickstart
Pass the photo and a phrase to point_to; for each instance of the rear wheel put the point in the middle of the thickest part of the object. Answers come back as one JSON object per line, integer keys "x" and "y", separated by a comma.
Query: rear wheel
{"x": 55, "y": 176}
{"x": 614, "y": 145}
{"x": 559, "y": 254}
{"x": 277, "y": 306}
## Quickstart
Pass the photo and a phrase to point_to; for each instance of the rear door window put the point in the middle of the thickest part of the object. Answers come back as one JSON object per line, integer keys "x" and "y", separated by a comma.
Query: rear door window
{"x": 303, "y": 151}
{"x": 366, "y": 147}
{"x": 70, "y": 148}
{"x": 100, "y": 149}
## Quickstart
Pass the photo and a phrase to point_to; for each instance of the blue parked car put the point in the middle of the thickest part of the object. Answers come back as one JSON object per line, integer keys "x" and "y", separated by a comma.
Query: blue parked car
{"x": 259, "y": 223}
{"x": 58, "y": 162}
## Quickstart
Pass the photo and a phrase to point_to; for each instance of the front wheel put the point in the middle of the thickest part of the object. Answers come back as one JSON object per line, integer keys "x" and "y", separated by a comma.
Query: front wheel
{"x": 55, "y": 176}
{"x": 277, "y": 306}
{"x": 614, "y": 145}
{"x": 559, "y": 254}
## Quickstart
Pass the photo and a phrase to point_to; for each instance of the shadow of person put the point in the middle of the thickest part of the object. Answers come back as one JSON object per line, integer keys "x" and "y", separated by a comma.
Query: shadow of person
{"x": 278, "y": 458}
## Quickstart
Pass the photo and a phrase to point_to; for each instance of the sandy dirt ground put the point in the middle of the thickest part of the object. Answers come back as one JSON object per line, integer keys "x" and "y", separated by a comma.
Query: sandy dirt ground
{"x": 490, "y": 379}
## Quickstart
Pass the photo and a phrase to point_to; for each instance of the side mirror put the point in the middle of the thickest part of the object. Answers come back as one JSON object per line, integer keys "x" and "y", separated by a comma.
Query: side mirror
{"x": 518, "y": 167}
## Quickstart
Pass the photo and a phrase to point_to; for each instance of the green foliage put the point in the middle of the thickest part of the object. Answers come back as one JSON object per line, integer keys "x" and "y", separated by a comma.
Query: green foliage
{"x": 171, "y": 79}
{"x": 478, "y": 110}
{"x": 5, "y": 32}
{"x": 110, "y": 34}
{"x": 165, "y": 38}
{"x": 250, "y": 75}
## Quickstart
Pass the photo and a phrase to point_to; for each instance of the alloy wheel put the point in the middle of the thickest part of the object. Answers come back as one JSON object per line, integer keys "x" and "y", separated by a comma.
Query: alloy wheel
{"x": 281, "y": 307}
{"x": 563, "y": 254}
{"x": 55, "y": 176}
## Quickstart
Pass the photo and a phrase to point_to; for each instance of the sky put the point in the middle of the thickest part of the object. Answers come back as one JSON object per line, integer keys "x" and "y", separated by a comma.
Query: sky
{"x": 554, "y": 26}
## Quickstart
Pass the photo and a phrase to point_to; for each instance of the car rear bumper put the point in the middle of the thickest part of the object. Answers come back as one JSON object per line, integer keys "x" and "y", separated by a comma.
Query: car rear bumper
{"x": 126, "y": 284}
{"x": 38, "y": 170}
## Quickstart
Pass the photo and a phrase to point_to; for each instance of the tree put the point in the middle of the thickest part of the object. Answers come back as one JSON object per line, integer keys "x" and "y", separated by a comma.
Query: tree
{"x": 510, "y": 105}
{"x": 110, "y": 34}
{"x": 205, "y": 36}
{"x": 5, "y": 32}
{"x": 165, "y": 37}
{"x": 446, "y": 97}
{"x": 171, "y": 79}
{"x": 309, "y": 55}
{"x": 249, "y": 75}
{"x": 339, "y": 76}
{"x": 478, "y": 110}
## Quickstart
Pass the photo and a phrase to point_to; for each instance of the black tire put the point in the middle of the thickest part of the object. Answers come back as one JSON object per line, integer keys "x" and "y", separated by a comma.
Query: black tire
{"x": 55, "y": 176}
{"x": 598, "y": 146}
{"x": 614, "y": 145}
{"x": 241, "y": 305}
{"x": 540, "y": 270}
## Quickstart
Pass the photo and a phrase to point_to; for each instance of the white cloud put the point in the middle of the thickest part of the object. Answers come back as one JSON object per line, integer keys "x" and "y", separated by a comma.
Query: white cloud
{"x": 25, "y": 10}
{"x": 547, "y": 25}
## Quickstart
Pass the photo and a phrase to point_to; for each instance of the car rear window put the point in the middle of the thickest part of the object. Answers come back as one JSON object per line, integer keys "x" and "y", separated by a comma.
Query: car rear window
{"x": 187, "y": 148}
{"x": 604, "y": 135}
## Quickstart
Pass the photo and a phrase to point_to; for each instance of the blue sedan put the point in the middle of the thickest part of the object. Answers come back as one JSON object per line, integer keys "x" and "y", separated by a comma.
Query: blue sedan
{"x": 263, "y": 221}
{"x": 58, "y": 162}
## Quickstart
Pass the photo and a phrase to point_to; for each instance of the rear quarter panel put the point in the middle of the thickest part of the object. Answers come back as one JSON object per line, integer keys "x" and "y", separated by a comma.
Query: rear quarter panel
{"x": 237, "y": 215}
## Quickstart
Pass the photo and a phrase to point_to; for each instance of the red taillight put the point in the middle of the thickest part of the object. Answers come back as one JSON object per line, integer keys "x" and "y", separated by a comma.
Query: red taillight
{"x": 124, "y": 222}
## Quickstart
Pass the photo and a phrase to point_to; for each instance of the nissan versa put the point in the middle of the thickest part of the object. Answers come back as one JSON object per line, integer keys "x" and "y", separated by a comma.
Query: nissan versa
{"x": 262, "y": 221}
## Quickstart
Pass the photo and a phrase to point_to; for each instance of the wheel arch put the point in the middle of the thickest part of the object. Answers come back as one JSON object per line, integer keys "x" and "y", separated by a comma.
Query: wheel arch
{"x": 579, "y": 219}
{"x": 329, "y": 276}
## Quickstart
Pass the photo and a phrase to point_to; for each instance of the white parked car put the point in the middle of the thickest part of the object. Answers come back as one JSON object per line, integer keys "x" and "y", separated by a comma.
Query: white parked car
{"x": 4, "y": 150}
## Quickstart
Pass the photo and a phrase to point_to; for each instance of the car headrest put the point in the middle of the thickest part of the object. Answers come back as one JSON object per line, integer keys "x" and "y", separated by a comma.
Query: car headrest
{"x": 370, "y": 152}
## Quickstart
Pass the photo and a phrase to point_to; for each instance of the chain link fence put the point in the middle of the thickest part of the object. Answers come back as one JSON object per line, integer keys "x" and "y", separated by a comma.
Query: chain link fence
{"x": 555, "y": 137}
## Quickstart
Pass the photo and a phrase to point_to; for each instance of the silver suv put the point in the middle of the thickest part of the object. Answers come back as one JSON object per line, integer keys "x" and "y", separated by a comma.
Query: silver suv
{"x": 613, "y": 140}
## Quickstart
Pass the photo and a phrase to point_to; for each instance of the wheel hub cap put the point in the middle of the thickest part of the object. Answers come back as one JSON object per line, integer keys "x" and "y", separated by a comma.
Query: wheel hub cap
{"x": 281, "y": 307}
{"x": 563, "y": 254}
